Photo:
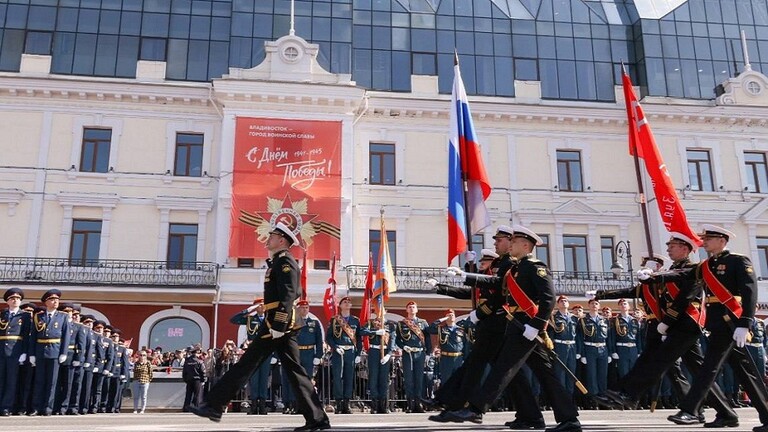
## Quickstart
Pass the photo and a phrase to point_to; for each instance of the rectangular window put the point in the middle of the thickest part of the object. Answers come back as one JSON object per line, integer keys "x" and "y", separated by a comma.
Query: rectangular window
{"x": 374, "y": 239}
{"x": 94, "y": 156}
{"x": 152, "y": 49}
{"x": 189, "y": 155}
{"x": 245, "y": 262}
{"x": 38, "y": 43}
{"x": 575, "y": 254}
{"x": 182, "y": 246}
{"x": 85, "y": 242}
{"x": 382, "y": 163}
{"x": 756, "y": 171}
{"x": 569, "y": 171}
{"x": 700, "y": 170}
{"x": 762, "y": 253}
{"x": 542, "y": 250}
{"x": 607, "y": 253}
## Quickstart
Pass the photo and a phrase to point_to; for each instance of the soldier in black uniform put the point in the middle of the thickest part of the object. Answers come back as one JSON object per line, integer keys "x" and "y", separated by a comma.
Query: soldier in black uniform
{"x": 731, "y": 302}
{"x": 83, "y": 401}
{"x": 531, "y": 302}
{"x": 281, "y": 290}
{"x": 15, "y": 326}
{"x": 490, "y": 320}
{"x": 675, "y": 315}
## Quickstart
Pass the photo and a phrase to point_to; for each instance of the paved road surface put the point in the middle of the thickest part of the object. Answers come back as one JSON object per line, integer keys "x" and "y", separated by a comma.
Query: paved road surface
{"x": 603, "y": 421}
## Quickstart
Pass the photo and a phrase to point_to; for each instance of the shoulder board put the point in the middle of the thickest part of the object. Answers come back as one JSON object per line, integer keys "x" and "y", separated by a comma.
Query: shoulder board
{"x": 282, "y": 254}
{"x": 535, "y": 260}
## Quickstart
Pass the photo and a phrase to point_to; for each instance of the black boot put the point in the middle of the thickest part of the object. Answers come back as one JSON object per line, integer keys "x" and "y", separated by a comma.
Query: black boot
{"x": 384, "y": 406}
{"x": 346, "y": 408}
{"x": 254, "y": 408}
{"x": 339, "y": 406}
{"x": 262, "y": 406}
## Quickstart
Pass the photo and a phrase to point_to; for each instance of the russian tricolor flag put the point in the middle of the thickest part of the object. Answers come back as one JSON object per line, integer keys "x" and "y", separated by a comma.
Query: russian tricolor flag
{"x": 465, "y": 165}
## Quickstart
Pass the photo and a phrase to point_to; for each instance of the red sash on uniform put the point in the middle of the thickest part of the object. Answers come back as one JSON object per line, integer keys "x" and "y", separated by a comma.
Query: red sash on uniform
{"x": 719, "y": 290}
{"x": 523, "y": 301}
{"x": 652, "y": 302}
{"x": 691, "y": 310}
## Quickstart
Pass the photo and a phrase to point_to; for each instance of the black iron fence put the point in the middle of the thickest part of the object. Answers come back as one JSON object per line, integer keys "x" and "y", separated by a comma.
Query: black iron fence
{"x": 39, "y": 271}
{"x": 413, "y": 279}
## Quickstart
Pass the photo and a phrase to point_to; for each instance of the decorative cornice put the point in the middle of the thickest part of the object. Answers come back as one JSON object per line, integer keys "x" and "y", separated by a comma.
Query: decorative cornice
{"x": 83, "y": 199}
{"x": 182, "y": 203}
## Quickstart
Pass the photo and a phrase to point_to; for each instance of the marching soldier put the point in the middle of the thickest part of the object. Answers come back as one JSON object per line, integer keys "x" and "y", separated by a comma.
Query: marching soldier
{"x": 343, "y": 336}
{"x": 452, "y": 339}
{"x": 83, "y": 400}
{"x": 624, "y": 339}
{"x": 531, "y": 301}
{"x": 281, "y": 290}
{"x": 415, "y": 345}
{"x": 50, "y": 335}
{"x": 563, "y": 334}
{"x": 310, "y": 340}
{"x": 731, "y": 302}
{"x": 382, "y": 344}
{"x": 15, "y": 326}
{"x": 253, "y": 318}
{"x": 591, "y": 342}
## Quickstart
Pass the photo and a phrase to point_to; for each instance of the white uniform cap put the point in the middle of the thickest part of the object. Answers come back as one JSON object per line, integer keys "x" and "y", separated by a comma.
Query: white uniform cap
{"x": 488, "y": 253}
{"x": 521, "y": 231}
{"x": 716, "y": 231}
{"x": 504, "y": 231}
{"x": 676, "y": 236}
{"x": 283, "y": 230}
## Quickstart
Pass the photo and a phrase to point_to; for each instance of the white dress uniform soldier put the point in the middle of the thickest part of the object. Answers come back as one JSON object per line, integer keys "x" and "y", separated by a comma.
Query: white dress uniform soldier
{"x": 15, "y": 326}
{"x": 50, "y": 335}
{"x": 310, "y": 340}
{"x": 281, "y": 290}
{"x": 382, "y": 344}
{"x": 415, "y": 345}
{"x": 343, "y": 336}
{"x": 83, "y": 401}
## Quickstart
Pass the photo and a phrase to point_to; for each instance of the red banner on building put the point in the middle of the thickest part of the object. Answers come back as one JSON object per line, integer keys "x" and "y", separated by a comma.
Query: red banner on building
{"x": 286, "y": 171}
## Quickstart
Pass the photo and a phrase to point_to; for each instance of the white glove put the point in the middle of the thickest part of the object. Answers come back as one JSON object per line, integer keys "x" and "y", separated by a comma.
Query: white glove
{"x": 740, "y": 336}
{"x": 431, "y": 282}
{"x": 662, "y": 328}
{"x": 273, "y": 360}
{"x": 276, "y": 334}
{"x": 104, "y": 372}
{"x": 610, "y": 359}
{"x": 578, "y": 356}
{"x": 340, "y": 351}
{"x": 252, "y": 308}
{"x": 86, "y": 365}
{"x": 22, "y": 358}
{"x": 583, "y": 360}
{"x": 75, "y": 363}
{"x": 663, "y": 338}
{"x": 470, "y": 255}
{"x": 473, "y": 317}
{"x": 455, "y": 271}
{"x": 32, "y": 360}
{"x": 111, "y": 375}
{"x": 644, "y": 273}
{"x": 615, "y": 356}
{"x": 380, "y": 332}
{"x": 316, "y": 361}
{"x": 62, "y": 358}
{"x": 407, "y": 349}
{"x": 122, "y": 377}
{"x": 385, "y": 359}
{"x": 530, "y": 333}
{"x": 357, "y": 359}
{"x": 95, "y": 370}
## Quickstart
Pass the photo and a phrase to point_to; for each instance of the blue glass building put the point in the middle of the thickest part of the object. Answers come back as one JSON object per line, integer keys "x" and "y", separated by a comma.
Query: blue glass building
{"x": 574, "y": 47}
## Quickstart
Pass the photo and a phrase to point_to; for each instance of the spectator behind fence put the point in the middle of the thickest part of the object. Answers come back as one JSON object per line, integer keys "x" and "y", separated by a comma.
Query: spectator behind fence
{"x": 142, "y": 376}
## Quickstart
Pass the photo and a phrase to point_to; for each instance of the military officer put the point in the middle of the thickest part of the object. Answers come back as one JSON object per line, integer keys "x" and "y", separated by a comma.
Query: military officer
{"x": 415, "y": 345}
{"x": 70, "y": 402}
{"x": 343, "y": 336}
{"x": 452, "y": 340}
{"x": 50, "y": 335}
{"x": 756, "y": 347}
{"x": 101, "y": 366}
{"x": 119, "y": 373}
{"x": 15, "y": 326}
{"x": 563, "y": 335}
{"x": 281, "y": 290}
{"x": 108, "y": 372}
{"x": 253, "y": 318}
{"x": 623, "y": 337}
{"x": 591, "y": 342}
{"x": 382, "y": 345}
{"x": 24, "y": 402}
{"x": 66, "y": 371}
{"x": 310, "y": 340}
{"x": 83, "y": 400}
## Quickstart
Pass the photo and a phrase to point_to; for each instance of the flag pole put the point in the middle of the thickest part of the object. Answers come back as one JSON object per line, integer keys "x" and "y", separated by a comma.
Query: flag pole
{"x": 381, "y": 294}
{"x": 638, "y": 174}
{"x": 467, "y": 222}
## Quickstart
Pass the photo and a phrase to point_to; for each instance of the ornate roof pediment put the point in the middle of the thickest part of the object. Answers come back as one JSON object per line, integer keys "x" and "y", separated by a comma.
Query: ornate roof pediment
{"x": 575, "y": 207}
{"x": 749, "y": 88}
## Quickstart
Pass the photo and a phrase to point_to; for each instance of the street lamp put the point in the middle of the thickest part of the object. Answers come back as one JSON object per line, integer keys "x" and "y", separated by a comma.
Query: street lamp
{"x": 623, "y": 251}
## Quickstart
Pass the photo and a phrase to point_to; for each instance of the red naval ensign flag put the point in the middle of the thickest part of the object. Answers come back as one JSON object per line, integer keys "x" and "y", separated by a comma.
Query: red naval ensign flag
{"x": 641, "y": 141}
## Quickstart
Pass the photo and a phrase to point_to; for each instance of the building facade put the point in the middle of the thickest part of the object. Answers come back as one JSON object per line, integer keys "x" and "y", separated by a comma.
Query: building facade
{"x": 120, "y": 124}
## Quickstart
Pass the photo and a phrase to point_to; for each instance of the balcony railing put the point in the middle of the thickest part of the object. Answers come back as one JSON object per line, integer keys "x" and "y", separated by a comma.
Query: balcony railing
{"x": 412, "y": 279}
{"x": 42, "y": 271}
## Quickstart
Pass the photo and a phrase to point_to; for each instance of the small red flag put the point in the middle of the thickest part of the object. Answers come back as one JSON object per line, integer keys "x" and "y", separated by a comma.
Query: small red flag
{"x": 365, "y": 311}
{"x": 329, "y": 304}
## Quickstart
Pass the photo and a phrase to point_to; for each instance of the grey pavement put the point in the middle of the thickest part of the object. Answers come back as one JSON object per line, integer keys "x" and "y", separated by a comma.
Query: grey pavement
{"x": 605, "y": 421}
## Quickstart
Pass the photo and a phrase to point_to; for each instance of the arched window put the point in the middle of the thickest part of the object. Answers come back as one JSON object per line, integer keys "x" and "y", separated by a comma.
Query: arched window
{"x": 175, "y": 333}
